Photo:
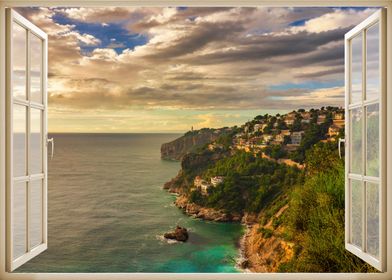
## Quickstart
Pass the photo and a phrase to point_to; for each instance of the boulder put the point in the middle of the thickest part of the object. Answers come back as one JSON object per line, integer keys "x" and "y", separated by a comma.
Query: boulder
{"x": 179, "y": 234}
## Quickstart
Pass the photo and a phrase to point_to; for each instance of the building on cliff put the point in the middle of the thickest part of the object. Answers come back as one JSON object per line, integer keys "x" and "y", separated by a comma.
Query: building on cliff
{"x": 216, "y": 180}
{"x": 201, "y": 185}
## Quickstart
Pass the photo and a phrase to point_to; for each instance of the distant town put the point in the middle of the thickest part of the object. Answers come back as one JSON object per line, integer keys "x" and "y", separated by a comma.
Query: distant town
{"x": 280, "y": 138}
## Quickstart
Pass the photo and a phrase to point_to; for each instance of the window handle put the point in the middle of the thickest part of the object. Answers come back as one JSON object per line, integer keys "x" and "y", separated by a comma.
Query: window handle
{"x": 51, "y": 141}
{"x": 340, "y": 141}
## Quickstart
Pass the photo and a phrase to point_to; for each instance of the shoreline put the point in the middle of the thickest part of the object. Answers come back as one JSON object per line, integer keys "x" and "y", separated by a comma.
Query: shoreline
{"x": 242, "y": 262}
{"x": 256, "y": 253}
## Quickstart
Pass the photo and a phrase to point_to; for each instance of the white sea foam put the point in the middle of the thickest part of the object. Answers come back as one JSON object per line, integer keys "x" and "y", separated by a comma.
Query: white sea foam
{"x": 168, "y": 241}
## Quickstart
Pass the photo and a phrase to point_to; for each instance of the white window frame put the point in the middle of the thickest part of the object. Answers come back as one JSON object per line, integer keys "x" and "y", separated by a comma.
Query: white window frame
{"x": 14, "y": 18}
{"x": 164, "y": 3}
{"x": 376, "y": 18}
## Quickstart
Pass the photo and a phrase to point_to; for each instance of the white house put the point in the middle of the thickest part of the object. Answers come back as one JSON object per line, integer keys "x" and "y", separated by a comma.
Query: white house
{"x": 296, "y": 137}
{"x": 216, "y": 180}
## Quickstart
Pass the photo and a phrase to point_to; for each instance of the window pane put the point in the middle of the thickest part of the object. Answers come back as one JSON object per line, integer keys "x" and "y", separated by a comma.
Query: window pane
{"x": 19, "y": 141}
{"x": 19, "y": 219}
{"x": 35, "y": 223}
{"x": 356, "y": 69}
{"x": 35, "y": 160}
{"x": 372, "y": 219}
{"x": 356, "y": 212}
{"x": 36, "y": 68}
{"x": 373, "y": 62}
{"x": 19, "y": 61}
{"x": 356, "y": 141}
{"x": 372, "y": 140}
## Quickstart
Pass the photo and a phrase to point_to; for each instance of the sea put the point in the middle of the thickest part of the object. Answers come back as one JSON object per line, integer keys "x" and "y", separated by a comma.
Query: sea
{"x": 107, "y": 211}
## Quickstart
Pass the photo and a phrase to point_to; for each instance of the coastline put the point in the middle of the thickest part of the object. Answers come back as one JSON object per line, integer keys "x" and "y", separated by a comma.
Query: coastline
{"x": 257, "y": 253}
{"x": 243, "y": 261}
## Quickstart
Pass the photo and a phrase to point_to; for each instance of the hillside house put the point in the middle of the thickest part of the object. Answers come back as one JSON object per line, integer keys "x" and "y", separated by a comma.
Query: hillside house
{"x": 339, "y": 123}
{"x": 321, "y": 119}
{"x": 292, "y": 115}
{"x": 201, "y": 185}
{"x": 214, "y": 146}
{"x": 259, "y": 126}
{"x": 216, "y": 180}
{"x": 279, "y": 138}
{"x": 306, "y": 115}
{"x": 291, "y": 147}
{"x": 267, "y": 138}
{"x": 296, "y": 137}
{"x": 333, "y": 130}
{"x": 338, "y": 116}
{"x": 289, "y": 120}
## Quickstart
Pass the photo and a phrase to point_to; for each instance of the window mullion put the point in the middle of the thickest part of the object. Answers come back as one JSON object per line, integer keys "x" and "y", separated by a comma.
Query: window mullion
{"x": 364, "y": 146}
{"x": 28, "y": 191}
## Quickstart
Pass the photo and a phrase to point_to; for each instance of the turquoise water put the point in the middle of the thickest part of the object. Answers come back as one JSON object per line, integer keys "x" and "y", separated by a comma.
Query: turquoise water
{"x": 107, "y": 211}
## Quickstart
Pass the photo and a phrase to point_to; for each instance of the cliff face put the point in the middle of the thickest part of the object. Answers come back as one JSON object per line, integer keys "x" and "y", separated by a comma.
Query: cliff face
{"x": 263, "y": 253}
{"x": 175, "y": 150}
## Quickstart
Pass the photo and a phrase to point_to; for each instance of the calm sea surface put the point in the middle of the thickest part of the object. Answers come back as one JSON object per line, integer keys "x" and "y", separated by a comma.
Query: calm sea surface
{"x": 108, "y": 212}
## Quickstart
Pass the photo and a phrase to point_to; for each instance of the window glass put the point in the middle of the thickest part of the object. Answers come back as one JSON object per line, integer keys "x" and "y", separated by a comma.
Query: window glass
{"x": 372, "y": 140}
{"x": 356, "y": 69}
{"x": 372, "y": 219}
{"x": 356, "y": 212}
{"x": 36, "y": 69}
{"x": 356, "y": 141}
{"x": 35, "y": 160}
{"x": 373, "y": 62}
{"x": 35, "y": 224}
{"x": 19, "y": 219}
{"x": 19, "y": 140}
{"x": 19, "y": 61}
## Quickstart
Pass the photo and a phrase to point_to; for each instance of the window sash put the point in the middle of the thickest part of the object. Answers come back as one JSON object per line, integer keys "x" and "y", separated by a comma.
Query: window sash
{"x": 363, "y": 104}
{"x": 29, "y": 178}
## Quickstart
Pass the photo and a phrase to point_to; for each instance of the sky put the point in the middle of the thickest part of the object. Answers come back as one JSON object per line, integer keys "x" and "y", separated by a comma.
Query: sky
{"x": 138, "y": 69}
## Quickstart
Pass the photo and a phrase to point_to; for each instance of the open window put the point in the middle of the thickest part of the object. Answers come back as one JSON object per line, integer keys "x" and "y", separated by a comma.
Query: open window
{"x": 26, "y": 140}
{"x": 365, "y": 144}
{"x": 365, "y": 67}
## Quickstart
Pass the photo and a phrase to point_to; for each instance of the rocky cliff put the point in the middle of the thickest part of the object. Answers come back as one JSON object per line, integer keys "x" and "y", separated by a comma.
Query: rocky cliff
{"x": 190, "y": 141}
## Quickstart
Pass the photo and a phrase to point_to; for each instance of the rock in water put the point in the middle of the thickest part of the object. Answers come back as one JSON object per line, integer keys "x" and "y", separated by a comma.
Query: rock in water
{"x": 179, "y": 234}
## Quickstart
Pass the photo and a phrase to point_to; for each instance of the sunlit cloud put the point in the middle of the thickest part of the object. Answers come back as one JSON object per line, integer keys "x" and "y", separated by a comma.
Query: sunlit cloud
{"x": 159, "y": 63}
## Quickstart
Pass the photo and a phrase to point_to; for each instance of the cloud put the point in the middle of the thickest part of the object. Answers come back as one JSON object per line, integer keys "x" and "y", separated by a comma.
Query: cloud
{"x": 216, "y": 58}
{"x": 329, "y": 21}
{"x": 92, "y": 15}
{"x": 85, "y": 39}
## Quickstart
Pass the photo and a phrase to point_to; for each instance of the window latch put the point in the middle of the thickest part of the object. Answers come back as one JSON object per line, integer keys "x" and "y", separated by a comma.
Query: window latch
{"x": 340, "y": 141}
{"x": 51, "y": 141}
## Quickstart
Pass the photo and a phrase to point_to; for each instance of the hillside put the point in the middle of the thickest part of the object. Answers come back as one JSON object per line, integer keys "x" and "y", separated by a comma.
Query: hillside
{"x": 280, "y": 176}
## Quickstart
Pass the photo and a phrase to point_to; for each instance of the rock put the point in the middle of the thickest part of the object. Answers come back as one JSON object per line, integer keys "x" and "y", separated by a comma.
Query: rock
{"x": 244, "y": 264}
{"x": 249, "y": 219}
{"x": 205, "y": 213}
{"x": 179, "y": 234}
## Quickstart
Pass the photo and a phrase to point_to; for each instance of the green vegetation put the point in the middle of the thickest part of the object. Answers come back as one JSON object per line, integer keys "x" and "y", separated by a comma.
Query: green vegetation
{"x": 315, "y": 217}
{"x": 275, "y": 151}
{"x": 313, "y": 134}
{"x": 250, "y": 182}
{"x": 309, "y": 199}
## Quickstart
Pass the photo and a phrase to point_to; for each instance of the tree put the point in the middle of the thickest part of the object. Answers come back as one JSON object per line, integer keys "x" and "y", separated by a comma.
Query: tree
{"x": 275, "y": 151}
